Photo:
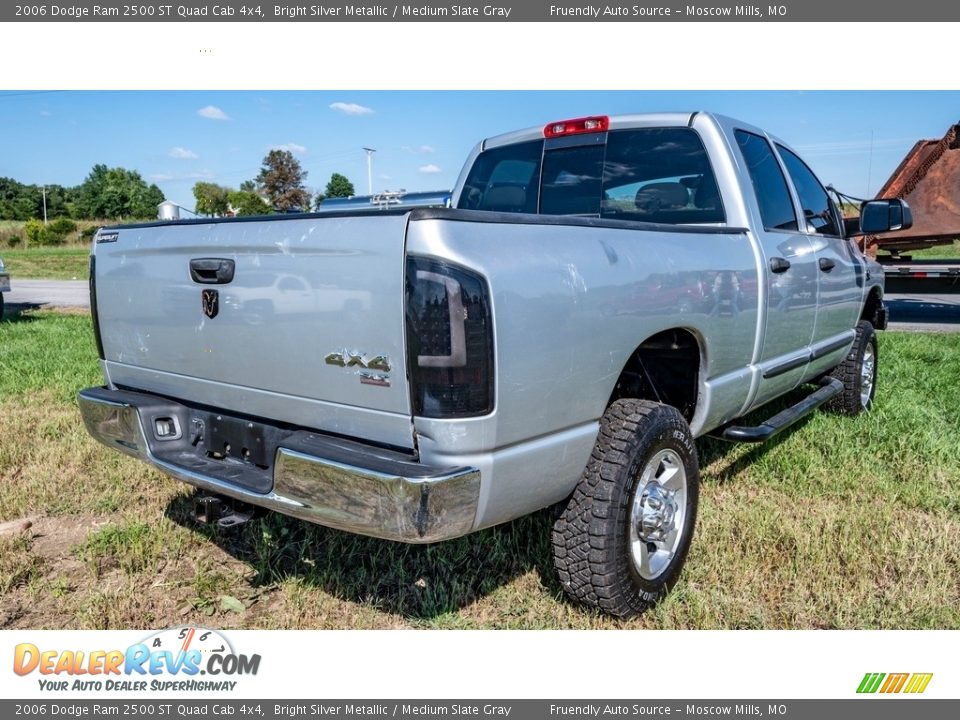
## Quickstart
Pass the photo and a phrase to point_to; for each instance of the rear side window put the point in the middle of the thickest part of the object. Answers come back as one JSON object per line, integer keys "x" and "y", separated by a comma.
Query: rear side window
{"x": 659, "y": 175}
{"x": 817, "y": 208}
{"x": 504, "y": 179}
{"x": 776, "y": 207}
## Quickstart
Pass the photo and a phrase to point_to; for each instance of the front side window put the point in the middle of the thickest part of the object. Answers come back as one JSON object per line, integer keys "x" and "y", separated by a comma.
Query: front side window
{"x": 769, "y": 184}
{"x": 817, "y": 208}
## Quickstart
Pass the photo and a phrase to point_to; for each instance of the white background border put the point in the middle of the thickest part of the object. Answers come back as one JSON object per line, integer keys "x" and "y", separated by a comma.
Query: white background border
{"x": 559, "y": 56}
{"x": 539, "y": 56}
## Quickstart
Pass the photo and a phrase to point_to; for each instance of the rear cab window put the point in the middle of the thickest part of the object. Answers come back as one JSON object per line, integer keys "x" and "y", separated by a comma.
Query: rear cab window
{"x": 504, "y": 179}
{"x": 657, "y": 175}
{"x": 660, "y": 175}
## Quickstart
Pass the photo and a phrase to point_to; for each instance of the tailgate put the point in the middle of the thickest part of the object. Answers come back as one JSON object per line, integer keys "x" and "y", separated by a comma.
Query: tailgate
{"x": 309, "y": 330}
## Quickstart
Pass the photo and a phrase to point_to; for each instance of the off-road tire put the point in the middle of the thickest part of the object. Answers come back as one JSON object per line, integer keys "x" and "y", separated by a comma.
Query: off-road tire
{"x": 1, "y": 306}
{"x": 591, "y": 537}
{"x": 851, "y": 373}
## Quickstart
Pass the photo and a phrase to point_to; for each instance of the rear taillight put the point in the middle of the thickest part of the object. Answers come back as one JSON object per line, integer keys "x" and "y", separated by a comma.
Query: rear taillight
{"x": 94, "y": 316}
{"x": 577, "y": 126}
{"x": 449, "y": 340}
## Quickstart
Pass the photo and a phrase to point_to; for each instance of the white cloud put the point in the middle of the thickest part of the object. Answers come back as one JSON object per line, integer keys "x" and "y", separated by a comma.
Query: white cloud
{"x": 201, "y": 175}
{"x": 422, "y": 150}
{"x": 384, "y": 177}
{"x": 181, "y": 153}
{"x": 212, "y": 112}
{"x": 426, "y": 149}
{"x": 161, "y": 177}
{"x": 351, "y": 108}
{"x": 290, "y": 147}
{"x": 430, "y": 169}
{"x": 46, "y": 113}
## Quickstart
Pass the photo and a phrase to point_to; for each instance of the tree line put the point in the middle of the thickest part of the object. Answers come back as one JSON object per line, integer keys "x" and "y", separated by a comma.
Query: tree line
{"x": 118, "y": 193}
{"x": 105, "y": 193}
{"x": 279, "y": 187}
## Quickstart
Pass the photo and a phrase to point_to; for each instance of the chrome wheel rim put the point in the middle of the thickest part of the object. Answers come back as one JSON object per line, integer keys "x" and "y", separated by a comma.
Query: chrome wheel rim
{"x": 868, "y": 369}
{"x": 657, "y": 514}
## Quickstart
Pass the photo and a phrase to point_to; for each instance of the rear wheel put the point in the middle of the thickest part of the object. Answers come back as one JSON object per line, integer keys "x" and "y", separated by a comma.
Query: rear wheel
{"x": 1, "y": 305}
{"x": 623, "y": 537}
{"x": 858, "y": 373}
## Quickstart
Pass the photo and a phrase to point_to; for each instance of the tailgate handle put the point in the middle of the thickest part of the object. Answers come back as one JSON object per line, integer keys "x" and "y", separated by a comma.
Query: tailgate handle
{"x": 212, "y": 271}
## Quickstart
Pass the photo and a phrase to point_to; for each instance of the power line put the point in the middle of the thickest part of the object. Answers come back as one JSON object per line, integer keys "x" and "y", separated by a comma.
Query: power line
{"x": 29, "y": 92}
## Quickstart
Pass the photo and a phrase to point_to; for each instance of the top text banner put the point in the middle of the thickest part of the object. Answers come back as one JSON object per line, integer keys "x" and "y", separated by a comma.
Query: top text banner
{"x": 526, "y": 11}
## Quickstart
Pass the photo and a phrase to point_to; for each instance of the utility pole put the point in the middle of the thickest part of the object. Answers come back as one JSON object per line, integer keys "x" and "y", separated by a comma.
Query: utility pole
{"x": 370, "y": 152}
{"x": 44, "y": 204}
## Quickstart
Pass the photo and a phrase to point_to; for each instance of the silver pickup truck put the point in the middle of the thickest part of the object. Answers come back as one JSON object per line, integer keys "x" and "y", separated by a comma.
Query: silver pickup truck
{"x": 602, "y": 291}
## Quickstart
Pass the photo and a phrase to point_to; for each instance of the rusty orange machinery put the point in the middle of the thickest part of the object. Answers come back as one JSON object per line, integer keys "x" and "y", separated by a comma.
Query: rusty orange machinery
{"x": 928, "y": 178}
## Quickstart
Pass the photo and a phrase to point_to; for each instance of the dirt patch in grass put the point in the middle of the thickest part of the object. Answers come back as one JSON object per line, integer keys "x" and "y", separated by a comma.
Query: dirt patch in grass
{"x": 97, "y": 571}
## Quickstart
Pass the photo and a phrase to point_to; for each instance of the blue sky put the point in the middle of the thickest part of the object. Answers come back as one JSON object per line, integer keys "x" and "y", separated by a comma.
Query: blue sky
{"x": 421, "y": 138}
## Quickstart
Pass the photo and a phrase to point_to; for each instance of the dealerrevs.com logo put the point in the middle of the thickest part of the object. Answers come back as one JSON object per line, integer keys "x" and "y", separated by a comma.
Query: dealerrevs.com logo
{"x": 179, "y": 659}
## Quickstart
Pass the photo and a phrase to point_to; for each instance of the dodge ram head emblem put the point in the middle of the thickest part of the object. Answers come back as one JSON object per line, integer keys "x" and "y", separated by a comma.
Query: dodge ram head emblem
{"x": 211, "y": 303}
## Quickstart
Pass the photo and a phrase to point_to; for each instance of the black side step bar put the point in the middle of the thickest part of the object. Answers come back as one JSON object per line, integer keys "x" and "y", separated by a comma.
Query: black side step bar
{"x": 829, "y": 387}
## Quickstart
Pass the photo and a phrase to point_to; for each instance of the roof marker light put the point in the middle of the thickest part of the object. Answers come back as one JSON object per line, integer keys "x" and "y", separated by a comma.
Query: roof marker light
{"x": 577, "y": 126}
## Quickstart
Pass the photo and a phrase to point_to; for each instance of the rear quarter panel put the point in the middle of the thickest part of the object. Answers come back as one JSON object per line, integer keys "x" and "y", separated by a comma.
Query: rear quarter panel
{"x": 570, "y": 306}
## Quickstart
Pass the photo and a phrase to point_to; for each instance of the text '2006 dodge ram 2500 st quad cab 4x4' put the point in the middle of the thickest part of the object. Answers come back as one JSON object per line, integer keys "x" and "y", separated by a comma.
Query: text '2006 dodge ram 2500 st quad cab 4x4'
{"x": 602, "y": 291}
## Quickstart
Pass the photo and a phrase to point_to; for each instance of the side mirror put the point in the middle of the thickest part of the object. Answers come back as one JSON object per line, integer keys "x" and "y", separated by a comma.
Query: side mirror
{"x": 880, "y": 216}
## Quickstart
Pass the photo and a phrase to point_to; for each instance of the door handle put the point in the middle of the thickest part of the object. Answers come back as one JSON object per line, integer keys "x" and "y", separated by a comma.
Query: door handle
{"x": 212, "y": 271}
{"x": 779, "y": 265}
{"x": 826, "y": 264}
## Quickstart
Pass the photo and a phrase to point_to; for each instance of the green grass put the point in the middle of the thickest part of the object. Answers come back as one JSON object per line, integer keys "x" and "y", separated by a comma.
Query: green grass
{"x": 939, "y": 252}
{"x": 44, "y": 352}
{"x": 69, "y": 262}
{"x": 839, "y": 523}
{"x": 18, "y": 566}
{"x": 135, "y": 547}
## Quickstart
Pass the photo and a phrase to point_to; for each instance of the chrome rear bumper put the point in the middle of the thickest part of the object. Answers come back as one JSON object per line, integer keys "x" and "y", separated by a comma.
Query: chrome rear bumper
{"x": 339, "y": 484}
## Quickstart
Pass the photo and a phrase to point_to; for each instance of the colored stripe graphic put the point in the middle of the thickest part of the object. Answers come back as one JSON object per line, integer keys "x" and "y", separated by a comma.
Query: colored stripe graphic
{"x": 870, "y": 682}
{"x": 918, "y": 682}
{"x": 894, "y": 683}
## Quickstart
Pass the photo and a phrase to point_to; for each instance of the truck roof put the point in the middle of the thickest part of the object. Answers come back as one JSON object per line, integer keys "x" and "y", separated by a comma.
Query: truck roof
{"x": 617, "y": 122}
